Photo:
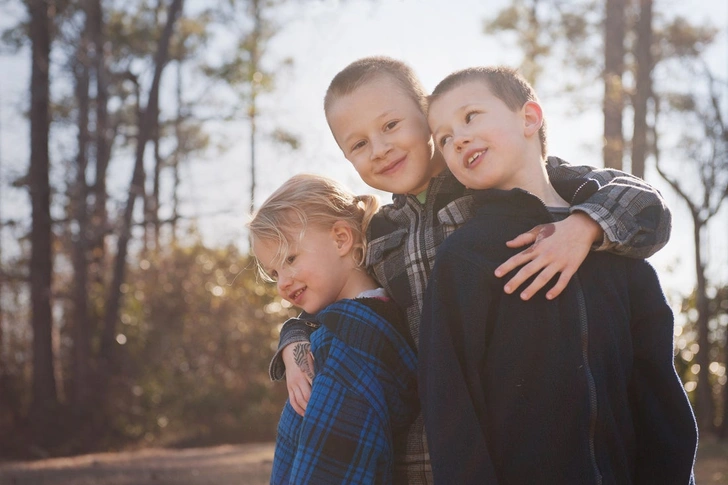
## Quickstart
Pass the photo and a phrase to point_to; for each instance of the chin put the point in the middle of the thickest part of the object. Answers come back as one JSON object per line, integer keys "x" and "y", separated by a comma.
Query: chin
{"x": 313, "y": 310}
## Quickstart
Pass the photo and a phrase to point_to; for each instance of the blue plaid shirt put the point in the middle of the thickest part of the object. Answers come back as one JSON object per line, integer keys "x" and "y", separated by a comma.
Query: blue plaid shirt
{"x": 364, "y": 392}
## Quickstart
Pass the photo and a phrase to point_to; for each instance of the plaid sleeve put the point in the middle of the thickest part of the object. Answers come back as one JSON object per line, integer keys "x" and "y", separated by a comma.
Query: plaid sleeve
{"x": 342, "y": 438}
{"x": 635, "y": 219}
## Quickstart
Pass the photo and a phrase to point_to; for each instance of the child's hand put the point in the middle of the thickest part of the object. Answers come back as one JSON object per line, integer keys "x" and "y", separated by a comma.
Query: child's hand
{"x": 298, "y": 360}
{"x": 558, "y": 247}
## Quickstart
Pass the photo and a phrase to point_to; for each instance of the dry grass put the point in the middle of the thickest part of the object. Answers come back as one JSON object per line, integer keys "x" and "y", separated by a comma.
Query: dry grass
{"x": 223, "y": 465}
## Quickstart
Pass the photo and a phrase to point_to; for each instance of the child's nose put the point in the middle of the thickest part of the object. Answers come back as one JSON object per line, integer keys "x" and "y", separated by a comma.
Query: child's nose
{"x": 461, "y": 141}
{"x": 284, "y": 281}
{"x": 380, "y": 147}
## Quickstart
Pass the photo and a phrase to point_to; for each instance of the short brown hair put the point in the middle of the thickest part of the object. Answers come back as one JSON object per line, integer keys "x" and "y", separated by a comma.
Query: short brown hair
{"x": 366, "y": 69}
{"x": 505, "y": 83}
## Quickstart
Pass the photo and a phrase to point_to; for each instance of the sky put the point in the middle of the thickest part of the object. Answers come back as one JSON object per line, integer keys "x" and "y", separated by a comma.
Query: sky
{"x": 435, "y": 38}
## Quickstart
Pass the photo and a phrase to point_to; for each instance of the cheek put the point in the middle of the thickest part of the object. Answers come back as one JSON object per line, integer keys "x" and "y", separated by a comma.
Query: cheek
{"x": 448, "y": 152}
{"x": 358, "y": 164}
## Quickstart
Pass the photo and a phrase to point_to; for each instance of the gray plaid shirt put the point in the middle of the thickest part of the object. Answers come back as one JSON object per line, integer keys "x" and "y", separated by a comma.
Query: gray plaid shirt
{"x": 404, "y": 236}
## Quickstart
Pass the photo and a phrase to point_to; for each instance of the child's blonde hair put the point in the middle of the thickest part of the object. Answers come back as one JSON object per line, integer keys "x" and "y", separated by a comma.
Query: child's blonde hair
{"x": 305, "y": 200}
{"x": 505, "y": 83}
{"x": 366, "y": 69}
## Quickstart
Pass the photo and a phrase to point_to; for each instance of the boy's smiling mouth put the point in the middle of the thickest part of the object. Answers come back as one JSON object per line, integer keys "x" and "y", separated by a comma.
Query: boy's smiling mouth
{"x": 293, "y": 296}
{"x": 391, "y": 167}
{"x": 473, "y": 156}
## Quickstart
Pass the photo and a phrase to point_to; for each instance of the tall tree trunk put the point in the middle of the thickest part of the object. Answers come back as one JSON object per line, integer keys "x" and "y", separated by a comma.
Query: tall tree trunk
{"x": 44, "y": 398}
{"x": 151, "y": 199}
{"x": 79, "y": 194}
{"x": 643, "y": 88}
{"x": 103, "y": 138}
{"x": 614, "y": 28}
{"x": 254, "y": 86}
{"x": 177, "y": 153}
{"x": 2, "y": 270}
{"x": 704, "y": 394}
{"x": 136, "y": 189}
{"x": 724, "y": 426}
{"x": 533, "y": 48}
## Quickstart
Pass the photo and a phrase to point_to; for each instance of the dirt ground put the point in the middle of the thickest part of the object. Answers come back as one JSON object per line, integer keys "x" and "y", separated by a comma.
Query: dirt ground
{"x": 222, "y": 465}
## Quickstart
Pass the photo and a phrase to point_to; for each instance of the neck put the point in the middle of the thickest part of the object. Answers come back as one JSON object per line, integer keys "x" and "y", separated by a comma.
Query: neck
{"x": 358, "y": 282}
{"x": 543, "y": 189}
{"x": 533, "y": 178}
{"x": 437, "y": 166}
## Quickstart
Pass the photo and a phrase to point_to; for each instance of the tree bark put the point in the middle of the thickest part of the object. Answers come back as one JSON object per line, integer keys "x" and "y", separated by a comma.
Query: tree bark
{"x": 701, "y": 214}
{"x": 724, "y": 426}
{"x": 44, "y": 398}
{"x": 136, "y": 189}
{"x": 177, "y": 153}
{"x": 103, "y": 137}
{"x": 253, "y": 106}
{"x": 704, "y": 395}
{"x": 643, "y": 88}
{"x": 2, "y": 281}
{"x": 79, "y": 247}
{"x": 614, "y": 29}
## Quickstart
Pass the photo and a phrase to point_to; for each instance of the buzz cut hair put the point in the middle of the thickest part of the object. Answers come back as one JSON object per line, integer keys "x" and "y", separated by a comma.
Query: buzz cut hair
{"x": 367, "y": 69}
{"x": 505, "y": 83}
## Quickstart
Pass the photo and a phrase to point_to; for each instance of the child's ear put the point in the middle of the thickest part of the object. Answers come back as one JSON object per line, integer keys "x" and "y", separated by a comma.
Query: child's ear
{"x": 533, "y": 117}
{"x": 343, "y": 237}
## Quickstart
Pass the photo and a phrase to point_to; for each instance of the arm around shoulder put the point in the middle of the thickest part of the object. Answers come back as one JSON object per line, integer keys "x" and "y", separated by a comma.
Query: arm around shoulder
{"x": 633, "y": 214}
{"x": 293, "y": 330}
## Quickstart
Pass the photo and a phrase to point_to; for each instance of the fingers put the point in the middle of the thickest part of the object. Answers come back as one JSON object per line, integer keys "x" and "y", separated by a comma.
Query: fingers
{"x": 556, "y": 290}
{"x": 539, "y": 282}
{"x": 299, "y": 395}
{"x": 514, "y": 262}
{"x": 297, "y": 402}
{"x": 545, "y": 273}
{"x": 557, "y": 248}
{"x": 523, "y": 239}
{"x": 299, "y": 374}
{"x": 305, "y": 395}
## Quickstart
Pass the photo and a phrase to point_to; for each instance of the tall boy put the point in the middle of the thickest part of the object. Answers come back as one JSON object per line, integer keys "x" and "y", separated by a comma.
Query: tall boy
{"x": 580, "y": 389}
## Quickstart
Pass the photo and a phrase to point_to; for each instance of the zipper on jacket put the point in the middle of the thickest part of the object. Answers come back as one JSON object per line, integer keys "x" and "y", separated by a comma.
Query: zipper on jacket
{"x": 584, "y": 329}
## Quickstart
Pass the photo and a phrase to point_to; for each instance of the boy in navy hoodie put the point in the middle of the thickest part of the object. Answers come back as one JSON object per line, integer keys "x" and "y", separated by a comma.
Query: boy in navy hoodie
{"x": 578, "y": 389}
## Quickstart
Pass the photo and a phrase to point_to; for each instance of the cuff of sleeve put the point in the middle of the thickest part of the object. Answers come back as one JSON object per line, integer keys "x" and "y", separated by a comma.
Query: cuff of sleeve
{"x": 615, "y": 235}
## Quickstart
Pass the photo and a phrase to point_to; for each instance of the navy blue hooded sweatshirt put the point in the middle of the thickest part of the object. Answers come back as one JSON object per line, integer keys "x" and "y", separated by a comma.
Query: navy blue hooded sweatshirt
{"x": 581, "y": 389}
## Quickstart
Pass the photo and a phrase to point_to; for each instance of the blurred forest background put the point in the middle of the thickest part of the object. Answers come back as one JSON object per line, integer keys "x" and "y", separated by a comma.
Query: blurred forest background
{"x": 121, "y": 326}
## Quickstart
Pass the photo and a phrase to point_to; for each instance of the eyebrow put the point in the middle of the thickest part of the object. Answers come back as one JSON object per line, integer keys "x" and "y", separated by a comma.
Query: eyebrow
{"x": 463, "y": 107}
{"x": 385, "y": 114}
{"x": 458, "y": 110}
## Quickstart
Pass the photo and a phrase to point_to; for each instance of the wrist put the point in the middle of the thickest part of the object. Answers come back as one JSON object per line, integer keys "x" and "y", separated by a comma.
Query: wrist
{"x": 588, "y": 227}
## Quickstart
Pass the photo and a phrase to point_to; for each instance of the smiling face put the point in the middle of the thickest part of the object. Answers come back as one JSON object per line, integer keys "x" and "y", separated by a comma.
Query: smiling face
{"x": 315, "y": 271}
{"x": 384, "y": 134}
{"x": 485, "y": 143}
